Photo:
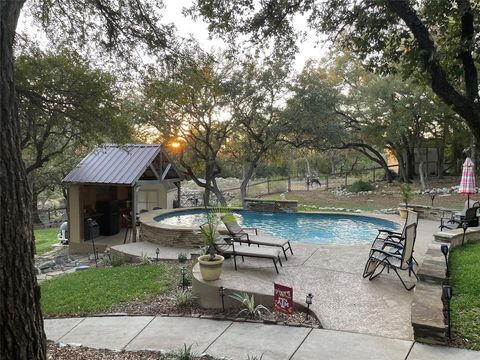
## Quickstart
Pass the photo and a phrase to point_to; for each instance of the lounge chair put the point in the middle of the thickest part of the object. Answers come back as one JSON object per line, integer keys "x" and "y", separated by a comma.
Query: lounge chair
{"x": 393, "y": 257}
{"x": 239, "y": 234}
{"x": 226, "y": 246}
{"x": 456, "y": 221}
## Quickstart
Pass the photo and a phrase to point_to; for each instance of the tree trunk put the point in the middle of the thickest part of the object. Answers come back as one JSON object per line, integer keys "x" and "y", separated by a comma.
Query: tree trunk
{"x": 421, "y": 171}
{"x": 473, "y": 152}
{"x": 21, "y": 335}
{"x": 34, "y": 202}
{"x": 375, "y": 156}
{"x": 247, "y": 175}
{"x": 218, "y": 193}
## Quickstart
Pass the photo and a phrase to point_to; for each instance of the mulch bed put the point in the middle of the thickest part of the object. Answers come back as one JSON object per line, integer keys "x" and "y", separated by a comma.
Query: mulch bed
{"x": 163, "y": 304}
{"x": 67, "y": 352}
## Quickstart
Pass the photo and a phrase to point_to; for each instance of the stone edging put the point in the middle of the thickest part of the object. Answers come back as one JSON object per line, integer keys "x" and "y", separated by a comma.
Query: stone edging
{"x": 428, "y": 308}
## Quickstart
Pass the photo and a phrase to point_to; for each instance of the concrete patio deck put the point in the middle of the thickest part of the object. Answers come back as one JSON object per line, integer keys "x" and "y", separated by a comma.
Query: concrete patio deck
{"x": 343, "y": 300}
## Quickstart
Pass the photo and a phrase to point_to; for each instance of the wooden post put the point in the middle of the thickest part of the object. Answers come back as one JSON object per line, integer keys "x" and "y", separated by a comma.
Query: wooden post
{"x": 373, "y": 174}
{"x": 134, "y": 213}
{"x": 268, "y": 186}
{"x": 179, "y": 195}
{"x": 346, "y": 179}
{"x": 289, "y": 186}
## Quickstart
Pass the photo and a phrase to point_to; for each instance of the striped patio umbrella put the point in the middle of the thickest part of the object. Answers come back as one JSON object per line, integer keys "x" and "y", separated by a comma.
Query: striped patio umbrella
{"x": 467, "y": 183}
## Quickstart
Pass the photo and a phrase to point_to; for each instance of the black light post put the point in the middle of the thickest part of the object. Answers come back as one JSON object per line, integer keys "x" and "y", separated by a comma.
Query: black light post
{"x": 432, "y": 196}
{"x": 308, "y": 301}
{"x": 157, "y": 252}
{"x": 447, "y": 295}
{"x": 465, "y": 227}
{"x": 221, "y": 292}
{"x": 183, "y": 271}
{"x": 444, "y": 249}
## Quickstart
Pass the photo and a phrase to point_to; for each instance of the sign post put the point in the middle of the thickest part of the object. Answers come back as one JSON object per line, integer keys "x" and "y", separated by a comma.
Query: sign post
{"x": 283, "y": 298}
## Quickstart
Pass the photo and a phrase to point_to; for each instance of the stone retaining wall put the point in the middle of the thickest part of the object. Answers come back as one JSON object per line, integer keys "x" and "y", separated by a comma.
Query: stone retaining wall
{"x": 428, "y": 212}
{"x": 428, "y": 308}
{"x": 270, "y": 205}
{"x": 177, "y": 237}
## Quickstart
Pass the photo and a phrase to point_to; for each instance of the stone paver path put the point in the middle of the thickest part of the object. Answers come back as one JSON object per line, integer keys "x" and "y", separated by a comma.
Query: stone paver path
{"x": 237, "y": 340}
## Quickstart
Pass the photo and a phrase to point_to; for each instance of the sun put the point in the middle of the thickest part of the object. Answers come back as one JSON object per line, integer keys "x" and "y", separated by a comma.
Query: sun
{"x": 176, "y": 144}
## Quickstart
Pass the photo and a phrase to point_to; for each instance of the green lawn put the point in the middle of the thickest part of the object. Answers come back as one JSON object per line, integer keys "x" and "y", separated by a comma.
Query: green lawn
{"x": 96, "y": 290}
{"x": 465, "y": 278}
{"x": 44, "y": 239}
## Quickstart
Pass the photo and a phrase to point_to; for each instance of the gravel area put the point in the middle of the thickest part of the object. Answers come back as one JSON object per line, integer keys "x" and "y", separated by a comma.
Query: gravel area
{"x": 67, "y": 352}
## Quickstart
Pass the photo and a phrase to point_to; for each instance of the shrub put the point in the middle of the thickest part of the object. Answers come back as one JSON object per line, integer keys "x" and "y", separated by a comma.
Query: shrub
{"x": 360, "y": 185}
{"x": 407, "y": 193}
{"x": 184, "y": 353}
{"x": 182, "y": 298}
{"x": 144, "y": 260}
{"x": 248, "y": 303}
{"x": 182, "y": 258}
{"x": 117, "y": 259}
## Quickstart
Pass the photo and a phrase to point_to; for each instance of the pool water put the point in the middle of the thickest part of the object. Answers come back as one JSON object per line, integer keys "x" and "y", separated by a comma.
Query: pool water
{"x": 311, "y": 228}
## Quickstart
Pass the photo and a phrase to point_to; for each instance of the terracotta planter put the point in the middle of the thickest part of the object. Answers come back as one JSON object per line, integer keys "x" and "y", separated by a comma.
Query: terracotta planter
{"x": 210, "y": 270}
{"x": 403, "y": 212}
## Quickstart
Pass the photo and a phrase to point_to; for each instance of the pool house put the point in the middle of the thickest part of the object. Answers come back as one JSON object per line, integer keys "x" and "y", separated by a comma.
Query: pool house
{"x": 112, "y": 183}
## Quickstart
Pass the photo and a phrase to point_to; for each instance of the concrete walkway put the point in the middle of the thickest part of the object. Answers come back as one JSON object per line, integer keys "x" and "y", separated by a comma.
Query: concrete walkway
{"x": 237, "y": 340}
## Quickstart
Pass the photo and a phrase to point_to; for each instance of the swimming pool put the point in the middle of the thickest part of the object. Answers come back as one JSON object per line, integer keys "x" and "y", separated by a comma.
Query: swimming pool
{"x": 305, "y": 227}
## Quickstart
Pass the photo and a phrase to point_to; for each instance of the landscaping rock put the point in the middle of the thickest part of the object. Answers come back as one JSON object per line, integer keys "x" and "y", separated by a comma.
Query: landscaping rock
{"x": 47, "y": 265}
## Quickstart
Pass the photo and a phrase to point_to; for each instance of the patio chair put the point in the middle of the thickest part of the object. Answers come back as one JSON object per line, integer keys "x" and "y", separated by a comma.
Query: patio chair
{"x": 393, "y": 257}
{"x": 385, "y": 235}
{"x": 226, "y": 246}
{"x": 455, "y": 222}
{"x": 239, "y": 234}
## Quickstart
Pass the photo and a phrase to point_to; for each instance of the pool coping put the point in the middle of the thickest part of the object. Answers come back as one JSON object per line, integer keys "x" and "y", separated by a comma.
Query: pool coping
{"x": 148, "y": 217}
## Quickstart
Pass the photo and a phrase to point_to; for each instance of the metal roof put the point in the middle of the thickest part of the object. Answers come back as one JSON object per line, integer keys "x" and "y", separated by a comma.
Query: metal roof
{"x": 114, "y": 164}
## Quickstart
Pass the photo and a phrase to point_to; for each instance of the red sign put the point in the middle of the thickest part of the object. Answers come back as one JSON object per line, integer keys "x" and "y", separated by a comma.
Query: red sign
{"x": 283, "y": 298}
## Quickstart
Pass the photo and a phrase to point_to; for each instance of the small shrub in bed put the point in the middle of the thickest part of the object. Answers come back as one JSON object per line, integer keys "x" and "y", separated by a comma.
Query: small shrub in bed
{"x": 360, "y": 185}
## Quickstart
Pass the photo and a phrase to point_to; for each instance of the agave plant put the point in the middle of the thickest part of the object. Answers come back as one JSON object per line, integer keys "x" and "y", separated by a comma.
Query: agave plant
{"x": 209, "y": 231}
{"x": 248, "y": 303}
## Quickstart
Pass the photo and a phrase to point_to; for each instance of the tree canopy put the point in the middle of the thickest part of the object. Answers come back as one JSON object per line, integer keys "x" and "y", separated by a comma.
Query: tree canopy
{"x": 433, "y": 40}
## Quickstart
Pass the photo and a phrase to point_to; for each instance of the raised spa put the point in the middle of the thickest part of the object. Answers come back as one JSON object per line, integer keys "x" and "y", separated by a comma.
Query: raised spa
{"x": 306, "y": 227}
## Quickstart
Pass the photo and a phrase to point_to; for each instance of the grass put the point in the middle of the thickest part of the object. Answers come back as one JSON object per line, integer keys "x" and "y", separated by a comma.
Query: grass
{"x": 44, "y": 239}
{"x": 465, "y": 304}
{"x": 97, "y": 290}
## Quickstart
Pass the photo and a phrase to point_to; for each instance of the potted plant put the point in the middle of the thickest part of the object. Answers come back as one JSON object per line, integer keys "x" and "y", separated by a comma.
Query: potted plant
{"x": 210, "y": 263}
{"x": 407, "y": 195}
